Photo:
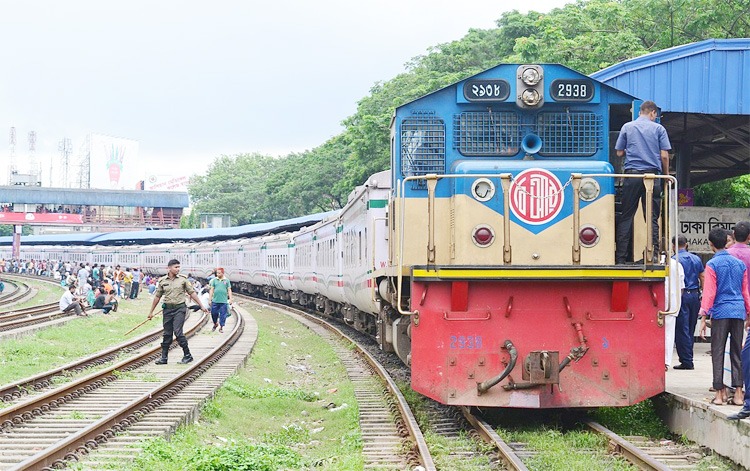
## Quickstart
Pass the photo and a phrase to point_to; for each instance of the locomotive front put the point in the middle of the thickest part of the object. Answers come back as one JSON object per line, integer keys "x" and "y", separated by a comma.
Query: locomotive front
{"x": 502, "y": 243}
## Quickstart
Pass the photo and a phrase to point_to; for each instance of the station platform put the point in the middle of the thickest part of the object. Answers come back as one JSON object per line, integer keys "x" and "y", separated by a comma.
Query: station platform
{"x": 687, "y": 410}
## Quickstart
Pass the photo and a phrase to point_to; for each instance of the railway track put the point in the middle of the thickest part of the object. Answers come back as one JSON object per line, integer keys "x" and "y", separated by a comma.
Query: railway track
{"x": 19, "y": 291}
{"x": 121, "y": 403}
{"x": 391, "y": 436}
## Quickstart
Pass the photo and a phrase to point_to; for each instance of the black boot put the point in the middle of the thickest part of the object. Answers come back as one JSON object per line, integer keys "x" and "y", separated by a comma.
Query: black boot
{"x": 164, "y": 354}
{"x": 188, "y": 357}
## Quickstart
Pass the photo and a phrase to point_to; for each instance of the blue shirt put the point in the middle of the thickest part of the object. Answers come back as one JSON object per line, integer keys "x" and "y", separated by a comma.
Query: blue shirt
{"x": 643, "y": 140}
{"x": 692, "y": 266}
{"x": 728, "y": 302}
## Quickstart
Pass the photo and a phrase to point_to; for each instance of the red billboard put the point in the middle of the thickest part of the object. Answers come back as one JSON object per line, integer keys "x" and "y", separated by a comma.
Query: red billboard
{"x": 40, "y": 218}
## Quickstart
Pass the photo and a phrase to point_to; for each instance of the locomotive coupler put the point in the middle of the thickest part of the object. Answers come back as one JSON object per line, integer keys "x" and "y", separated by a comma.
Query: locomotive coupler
{"x": 484, "y": 386}
{"x": 541, "y": 367}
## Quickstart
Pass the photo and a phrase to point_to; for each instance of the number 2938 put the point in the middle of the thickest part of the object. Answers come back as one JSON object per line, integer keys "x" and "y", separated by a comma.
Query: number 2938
{"x": 470, "y": 342}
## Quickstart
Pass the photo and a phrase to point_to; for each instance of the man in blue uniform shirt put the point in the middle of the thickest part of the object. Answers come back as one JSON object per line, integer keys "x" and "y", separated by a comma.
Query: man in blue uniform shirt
{"x": 644, "y": 143}
{"x": 691, "y": 304}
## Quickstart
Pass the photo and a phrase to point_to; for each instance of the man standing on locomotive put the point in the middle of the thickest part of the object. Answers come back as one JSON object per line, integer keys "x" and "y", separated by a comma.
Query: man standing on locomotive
{"x": 644, "y": 143}
{"x": 174, "y": 287}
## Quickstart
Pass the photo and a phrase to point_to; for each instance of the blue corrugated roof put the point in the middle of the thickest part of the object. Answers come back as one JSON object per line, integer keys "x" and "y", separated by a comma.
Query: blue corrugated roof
{"x": 89, "y": 197}
{"x": 82, "y": 238}
{"x": 172, "y": 235}
{"x": 708, "y": 77}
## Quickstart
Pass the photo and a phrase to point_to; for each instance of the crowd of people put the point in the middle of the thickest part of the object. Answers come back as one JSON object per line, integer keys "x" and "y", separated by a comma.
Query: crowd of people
{"x": 719, "y": 295}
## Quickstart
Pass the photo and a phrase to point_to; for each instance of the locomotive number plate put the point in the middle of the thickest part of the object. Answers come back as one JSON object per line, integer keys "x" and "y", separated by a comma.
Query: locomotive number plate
{"x": 486, "y": 90}
{"x": 572, "y": 90}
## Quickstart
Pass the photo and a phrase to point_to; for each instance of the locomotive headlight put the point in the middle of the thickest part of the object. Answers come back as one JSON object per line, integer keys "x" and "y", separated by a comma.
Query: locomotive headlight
{"x": 588, "y": 235}
{"x": 530, "y": 76}
{"x": 482, "y": 189}
{"x": 589, "y": 189}
{"x": 530, "y": 97}
{"x": 483, "y": 236}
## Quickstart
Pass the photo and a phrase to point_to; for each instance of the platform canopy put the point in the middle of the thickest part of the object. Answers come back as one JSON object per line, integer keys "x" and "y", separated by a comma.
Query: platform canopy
{"x": 88, "y": 197}
{"x": 703, "y": 90}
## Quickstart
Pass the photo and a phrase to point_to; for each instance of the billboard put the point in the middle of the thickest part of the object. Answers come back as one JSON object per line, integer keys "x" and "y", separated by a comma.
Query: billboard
{"x": 166, "y": 183}
{"x": 113, "y": 162}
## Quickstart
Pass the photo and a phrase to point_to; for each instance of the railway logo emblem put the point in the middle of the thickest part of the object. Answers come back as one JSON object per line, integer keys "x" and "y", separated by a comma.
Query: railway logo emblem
{"x": 536, "y": 196}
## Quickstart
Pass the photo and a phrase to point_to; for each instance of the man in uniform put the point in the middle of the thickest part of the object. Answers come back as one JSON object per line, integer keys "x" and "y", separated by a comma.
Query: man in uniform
{"x": 691, "y": 304}
{"x": 644, "y": 144}
{"x": 173, "y": 287}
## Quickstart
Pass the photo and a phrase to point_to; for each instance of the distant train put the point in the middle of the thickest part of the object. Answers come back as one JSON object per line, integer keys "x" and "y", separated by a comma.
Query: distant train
{"x": 485, "y": 257}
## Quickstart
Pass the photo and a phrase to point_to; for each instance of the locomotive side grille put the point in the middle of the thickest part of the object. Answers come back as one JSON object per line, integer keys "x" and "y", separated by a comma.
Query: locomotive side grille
{"x": 422, "y": 148}
{"x": 570, "y": 134}
{"x": 484, "y": 133}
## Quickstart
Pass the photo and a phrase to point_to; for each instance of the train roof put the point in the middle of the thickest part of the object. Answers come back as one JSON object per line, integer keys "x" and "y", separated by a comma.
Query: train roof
{"x": 171, "y": 235}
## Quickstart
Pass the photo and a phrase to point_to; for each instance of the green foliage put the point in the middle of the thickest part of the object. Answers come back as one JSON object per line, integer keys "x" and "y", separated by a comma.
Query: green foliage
{"x": 639, "y": 419}
{"x": 729, "y": 193}
{"x": 244, "y": 457}
{"x": 251, "y": 392}
{"x": 7, "y": 230}
{"x": 190, "y": 221}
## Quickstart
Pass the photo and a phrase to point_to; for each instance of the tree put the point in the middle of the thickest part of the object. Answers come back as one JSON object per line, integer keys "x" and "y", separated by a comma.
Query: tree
{"x": 7, "y": 230}
{"x": 729, "y": 193}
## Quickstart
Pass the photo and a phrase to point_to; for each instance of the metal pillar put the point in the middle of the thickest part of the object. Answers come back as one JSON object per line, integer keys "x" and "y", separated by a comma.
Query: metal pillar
{"x": 684, "y": 159}
{"x": 17, "y": 228}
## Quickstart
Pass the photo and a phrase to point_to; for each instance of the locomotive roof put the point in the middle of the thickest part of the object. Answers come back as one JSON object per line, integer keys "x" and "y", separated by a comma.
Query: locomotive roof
{"x": 489, "y": 72}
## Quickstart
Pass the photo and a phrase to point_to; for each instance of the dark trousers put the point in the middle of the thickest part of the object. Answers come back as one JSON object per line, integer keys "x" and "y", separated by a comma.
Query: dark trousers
{"x": 634, "y": 191}
{"x": 74, "y": 306}
{"x": 219, "y": 313}
{"x": 174, "y": 320}
{"x": 134, "y": 290}
{"x": 685, "y": 328}
{"x": 745, "y": 355}
{"x": 720, "y": 330}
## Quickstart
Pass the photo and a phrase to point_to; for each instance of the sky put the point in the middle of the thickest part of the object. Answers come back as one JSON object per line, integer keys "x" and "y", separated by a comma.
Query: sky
{"x": 191, "y": 81}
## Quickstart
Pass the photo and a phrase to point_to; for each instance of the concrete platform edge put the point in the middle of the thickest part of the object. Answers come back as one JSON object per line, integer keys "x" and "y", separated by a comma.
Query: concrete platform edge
{"x": 707, "y": 426}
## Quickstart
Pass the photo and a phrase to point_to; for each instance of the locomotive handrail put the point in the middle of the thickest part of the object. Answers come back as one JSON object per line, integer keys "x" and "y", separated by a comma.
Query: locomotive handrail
{"x": 674, "y": 281}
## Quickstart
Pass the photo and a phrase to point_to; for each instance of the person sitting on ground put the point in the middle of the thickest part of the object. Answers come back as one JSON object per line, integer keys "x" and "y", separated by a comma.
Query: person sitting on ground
{"x": 69, "y": 302}
{"x": 99, "y": 301}
{"x": 110, "y": 302}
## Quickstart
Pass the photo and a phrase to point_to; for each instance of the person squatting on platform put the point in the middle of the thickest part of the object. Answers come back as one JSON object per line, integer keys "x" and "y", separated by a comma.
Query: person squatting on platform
{"x": 173, "y": 287}
{"x": 725, "y": 295}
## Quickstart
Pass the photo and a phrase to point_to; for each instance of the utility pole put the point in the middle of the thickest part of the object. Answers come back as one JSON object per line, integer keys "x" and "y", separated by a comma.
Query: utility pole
{"x": 65, "y": 147}
{"x": 12, "y": 167}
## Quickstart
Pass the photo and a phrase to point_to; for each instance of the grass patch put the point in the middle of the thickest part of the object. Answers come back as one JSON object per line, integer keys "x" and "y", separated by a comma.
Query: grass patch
{"x": 570, "y": 450}
{"x": 56, "y": 346}
{"x": 638, "y": 419}
{"x": 272, "y": 414}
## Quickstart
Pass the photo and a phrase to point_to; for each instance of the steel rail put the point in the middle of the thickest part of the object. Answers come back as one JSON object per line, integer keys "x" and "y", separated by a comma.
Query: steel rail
{"x": 410, "y": 421}
{"x": 509, "y": 457}
{"x": 15, "y": 313}
{"x": 21, "y": 291}
{"x": 42, "y": 380}
{"x": 631, "y": 452}
{"x": 19, "y": 413}
{"x": 88, "y": 438}
{"x": 8, "y": 293}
